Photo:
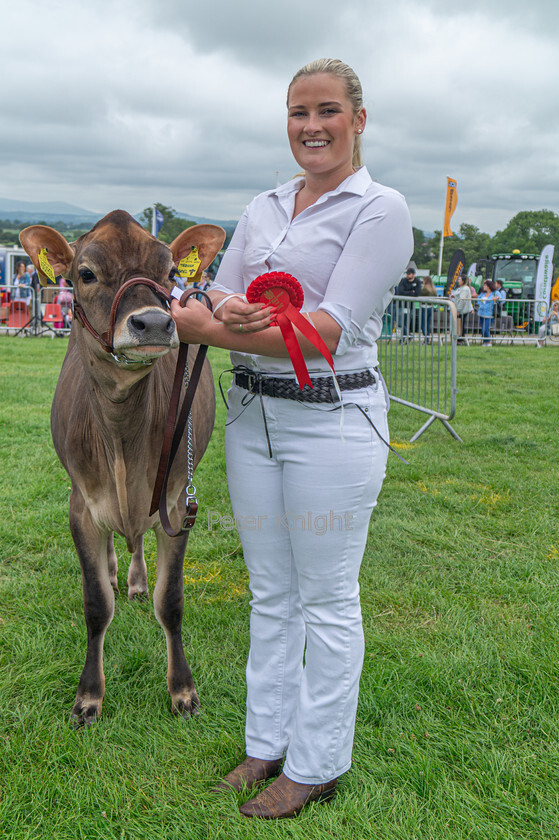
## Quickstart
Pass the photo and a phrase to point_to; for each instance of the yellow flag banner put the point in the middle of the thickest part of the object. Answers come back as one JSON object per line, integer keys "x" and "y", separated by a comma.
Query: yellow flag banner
{"x": 450, "y": 206}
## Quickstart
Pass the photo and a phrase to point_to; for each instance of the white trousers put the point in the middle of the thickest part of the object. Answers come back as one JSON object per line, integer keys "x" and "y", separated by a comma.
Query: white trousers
{"x": 303, "y": 518}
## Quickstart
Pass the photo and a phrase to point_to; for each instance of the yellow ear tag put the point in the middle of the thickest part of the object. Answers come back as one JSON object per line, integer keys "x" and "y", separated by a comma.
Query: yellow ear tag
{"x": 46, "y": 274}
{"x": 188, "y": 266}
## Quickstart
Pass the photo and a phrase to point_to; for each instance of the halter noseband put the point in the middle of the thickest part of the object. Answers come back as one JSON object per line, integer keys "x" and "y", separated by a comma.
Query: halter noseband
{"x": 106, "y": 339}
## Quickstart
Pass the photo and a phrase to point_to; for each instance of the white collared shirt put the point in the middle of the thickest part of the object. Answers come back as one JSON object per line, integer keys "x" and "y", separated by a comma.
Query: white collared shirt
{"x": 347, "y": 250}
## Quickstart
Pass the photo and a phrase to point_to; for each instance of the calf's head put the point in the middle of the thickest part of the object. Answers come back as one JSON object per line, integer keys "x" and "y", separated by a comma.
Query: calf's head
{"x": 99, "y": 263}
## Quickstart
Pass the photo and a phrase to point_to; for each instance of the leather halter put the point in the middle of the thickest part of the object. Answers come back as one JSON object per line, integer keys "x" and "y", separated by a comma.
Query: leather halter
{"x": 106, "y": 339}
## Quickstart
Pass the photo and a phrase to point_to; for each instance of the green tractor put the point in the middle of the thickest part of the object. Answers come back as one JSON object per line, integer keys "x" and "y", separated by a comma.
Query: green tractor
{"x": 518, "y": 273}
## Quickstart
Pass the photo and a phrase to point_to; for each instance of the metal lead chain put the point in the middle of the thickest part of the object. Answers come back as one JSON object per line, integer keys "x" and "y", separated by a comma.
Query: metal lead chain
{"x": 190, "y": 488}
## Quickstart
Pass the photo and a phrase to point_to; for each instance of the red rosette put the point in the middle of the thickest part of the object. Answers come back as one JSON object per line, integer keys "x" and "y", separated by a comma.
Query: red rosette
{"x": 276, "y": 288}
{"x": 285, "y": 293}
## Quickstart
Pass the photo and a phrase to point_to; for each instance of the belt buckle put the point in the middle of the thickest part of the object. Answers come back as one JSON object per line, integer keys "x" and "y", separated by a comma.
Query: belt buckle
{"x": 252, "y": 382}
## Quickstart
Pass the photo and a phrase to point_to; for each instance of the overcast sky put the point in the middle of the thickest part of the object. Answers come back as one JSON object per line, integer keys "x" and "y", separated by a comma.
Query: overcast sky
{"x": 114, "y": 103}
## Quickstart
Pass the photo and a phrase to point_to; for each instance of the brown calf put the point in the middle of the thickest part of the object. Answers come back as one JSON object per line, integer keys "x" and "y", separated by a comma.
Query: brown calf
{"x": 107, "y": 422}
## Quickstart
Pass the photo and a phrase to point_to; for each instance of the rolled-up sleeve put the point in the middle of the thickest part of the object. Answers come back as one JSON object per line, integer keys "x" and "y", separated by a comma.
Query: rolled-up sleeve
{"x": 376, "y": 252}
{"x": 229, "y": 278}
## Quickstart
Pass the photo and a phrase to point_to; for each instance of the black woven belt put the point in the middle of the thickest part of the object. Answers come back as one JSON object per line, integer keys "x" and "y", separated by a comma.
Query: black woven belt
{"x": 323, "y": 389}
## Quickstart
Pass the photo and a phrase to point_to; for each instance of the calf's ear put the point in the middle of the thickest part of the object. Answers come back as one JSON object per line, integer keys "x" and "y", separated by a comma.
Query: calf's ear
{"x": 59, "y": 253}
{"x": 207, "y": 238}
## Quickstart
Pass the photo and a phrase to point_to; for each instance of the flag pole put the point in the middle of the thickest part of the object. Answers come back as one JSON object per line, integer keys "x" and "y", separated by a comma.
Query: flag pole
{"x": 441, "y": 253}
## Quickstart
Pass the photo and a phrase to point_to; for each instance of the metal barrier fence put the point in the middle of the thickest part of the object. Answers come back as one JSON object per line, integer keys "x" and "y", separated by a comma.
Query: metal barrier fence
{"x": 417, "y": 355}
{"x": 512, "y": 321}
{"x": 27, "y": 311}
{"x": 417, "y": 350}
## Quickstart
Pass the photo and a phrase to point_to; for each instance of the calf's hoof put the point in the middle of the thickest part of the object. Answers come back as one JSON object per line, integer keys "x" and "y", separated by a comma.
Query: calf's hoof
{"x": 185, "y": 704}
{"x": 137, "y": 593}
{"x": 85, "y": 713}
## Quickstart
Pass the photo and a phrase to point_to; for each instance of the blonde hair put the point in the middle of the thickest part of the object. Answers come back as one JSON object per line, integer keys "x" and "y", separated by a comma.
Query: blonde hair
{"x": 352, "y": 86}
{"x": 428, "y": 286}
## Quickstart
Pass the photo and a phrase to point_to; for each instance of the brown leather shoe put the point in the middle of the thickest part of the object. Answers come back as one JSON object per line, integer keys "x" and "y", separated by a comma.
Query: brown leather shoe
{"x": 249, "y": 773}
{"x": 284, "y": 798}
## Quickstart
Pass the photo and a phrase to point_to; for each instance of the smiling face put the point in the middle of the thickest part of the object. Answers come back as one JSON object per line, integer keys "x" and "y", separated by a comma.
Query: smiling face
{"x": 321, "y": 125}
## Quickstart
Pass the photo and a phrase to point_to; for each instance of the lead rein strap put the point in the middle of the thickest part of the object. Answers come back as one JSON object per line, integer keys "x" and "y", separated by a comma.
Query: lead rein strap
{"x": 173, "y": 433}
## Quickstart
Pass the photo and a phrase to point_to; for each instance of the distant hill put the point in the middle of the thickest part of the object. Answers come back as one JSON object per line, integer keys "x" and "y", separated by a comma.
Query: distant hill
{"x": 29, "y": 212}
{"x": 45, "y": 211}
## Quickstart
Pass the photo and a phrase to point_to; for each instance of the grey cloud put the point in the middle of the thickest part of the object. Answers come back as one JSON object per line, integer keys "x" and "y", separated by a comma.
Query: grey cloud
{"x": 184, "y": 103}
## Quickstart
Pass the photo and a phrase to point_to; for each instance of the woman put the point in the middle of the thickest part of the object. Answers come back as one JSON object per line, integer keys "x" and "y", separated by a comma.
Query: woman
{"x": 485, "y": 303}
{"x": 22, "y": 283}
{"x": 462, "y": 297}
{"x": 427, "y": 290}
{"x": 310, "y": 486}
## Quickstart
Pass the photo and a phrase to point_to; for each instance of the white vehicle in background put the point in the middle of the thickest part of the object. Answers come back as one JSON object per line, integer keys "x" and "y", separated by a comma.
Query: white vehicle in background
{"x": 9, "y": 256}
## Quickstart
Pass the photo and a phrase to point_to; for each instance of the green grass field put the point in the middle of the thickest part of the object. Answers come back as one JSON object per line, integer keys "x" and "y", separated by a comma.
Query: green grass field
{"x": 458, "y": 724}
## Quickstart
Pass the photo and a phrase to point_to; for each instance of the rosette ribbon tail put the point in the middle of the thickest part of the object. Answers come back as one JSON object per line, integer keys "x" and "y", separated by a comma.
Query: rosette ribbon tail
{"x": 311, "y": 334}
{"x": 283, "y": 320}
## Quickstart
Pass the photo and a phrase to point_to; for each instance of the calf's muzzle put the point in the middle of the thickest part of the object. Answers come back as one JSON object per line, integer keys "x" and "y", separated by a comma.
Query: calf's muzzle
{"x": 151, "y": 326}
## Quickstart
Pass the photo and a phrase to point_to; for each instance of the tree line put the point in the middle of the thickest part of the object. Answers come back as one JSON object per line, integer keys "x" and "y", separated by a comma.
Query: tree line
{"x": 529, "y": 231}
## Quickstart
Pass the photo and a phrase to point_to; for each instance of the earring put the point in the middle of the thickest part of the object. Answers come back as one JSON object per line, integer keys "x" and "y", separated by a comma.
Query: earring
{"x": 360, "y": 131}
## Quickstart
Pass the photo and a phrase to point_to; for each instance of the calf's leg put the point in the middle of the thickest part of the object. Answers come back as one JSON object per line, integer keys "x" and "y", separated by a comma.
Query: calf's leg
{"x": 137, "y": 573}
{"x": 112, "y": 562}
{"x": 98, "y": 601}
{"x": 168, "y": 602}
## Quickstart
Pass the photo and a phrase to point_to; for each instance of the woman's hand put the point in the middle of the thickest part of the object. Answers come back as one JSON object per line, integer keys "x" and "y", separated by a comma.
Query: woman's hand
{"x": 240, "y": 316}
{"x": 195, "y": 325}
{"x": 192, "y": 321}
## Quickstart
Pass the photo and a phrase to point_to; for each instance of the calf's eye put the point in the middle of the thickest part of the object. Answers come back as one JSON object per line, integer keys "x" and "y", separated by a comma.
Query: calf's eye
{"x": 87, "y": 276}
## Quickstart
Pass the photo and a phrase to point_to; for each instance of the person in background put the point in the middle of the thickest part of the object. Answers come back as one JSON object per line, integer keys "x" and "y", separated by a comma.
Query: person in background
{"x": 409, "y": 286}
{"x": 22, "y": 283}
{"x": 500, "y": 291}
{"x": 485, "y": 305}
{"x": 346, "y": 239}
{"x": 204, "y": 283}
{"x": 501, "y": 298}
{"x": 462, "y": 297}
{"x": 19, "y": 270}
{"x": 547, "y": 323}
{"x": 426, "y": 310}
{"x": 65, "y": 299}
{"x": 35, "y": 284}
